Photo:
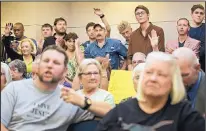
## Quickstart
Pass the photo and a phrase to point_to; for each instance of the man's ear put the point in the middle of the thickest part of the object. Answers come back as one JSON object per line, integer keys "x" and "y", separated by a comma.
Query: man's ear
{"x": 197, "y": 67}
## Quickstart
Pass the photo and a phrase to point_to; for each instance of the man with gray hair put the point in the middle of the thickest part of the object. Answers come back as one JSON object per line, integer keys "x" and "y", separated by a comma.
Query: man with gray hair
{"x": 193, "y": 77}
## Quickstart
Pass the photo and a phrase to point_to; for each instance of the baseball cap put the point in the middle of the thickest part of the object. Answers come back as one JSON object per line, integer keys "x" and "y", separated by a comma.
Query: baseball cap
{"x": 100, "y": 24}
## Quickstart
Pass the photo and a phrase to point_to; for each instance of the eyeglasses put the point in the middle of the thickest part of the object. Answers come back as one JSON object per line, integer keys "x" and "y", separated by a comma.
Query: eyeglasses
{"x": 137, "y": 77}
{"x": 137, "y": 61}
{"x": 90, "y": 73}
{"x": 140, "y": 13}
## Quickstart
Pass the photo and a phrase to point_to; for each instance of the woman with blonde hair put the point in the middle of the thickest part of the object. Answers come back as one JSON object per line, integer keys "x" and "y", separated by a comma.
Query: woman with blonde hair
{"x": 5, "y": 75}
{"x": 26, "y": 52}
{"x": 159, "y": 104}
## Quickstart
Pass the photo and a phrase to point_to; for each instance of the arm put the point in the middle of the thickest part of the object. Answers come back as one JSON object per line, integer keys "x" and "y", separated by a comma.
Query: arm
{"x": 104, "y": 80}
{"x": 78, "y": 52}
{"x": 8, "y": 101}
{"x": 129, "y": 54}
{"x": 87, "y": 52}
{"x": 196, "y": 49}
{"x": 3, "y": 128}
{"x": 191, "y": 120}
{"x": 104, "y": 20}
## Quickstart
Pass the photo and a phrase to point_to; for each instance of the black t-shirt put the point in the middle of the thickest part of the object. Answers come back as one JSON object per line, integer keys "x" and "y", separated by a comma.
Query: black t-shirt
{"x": 179, "y": 117}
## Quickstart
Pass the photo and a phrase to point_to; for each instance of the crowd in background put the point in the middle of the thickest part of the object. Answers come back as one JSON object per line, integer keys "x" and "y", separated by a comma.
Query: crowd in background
{"x": 168, "y": 76}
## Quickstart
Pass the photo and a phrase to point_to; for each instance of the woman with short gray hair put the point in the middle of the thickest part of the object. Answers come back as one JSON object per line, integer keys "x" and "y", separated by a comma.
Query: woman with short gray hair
{"x": 17, "y": 69}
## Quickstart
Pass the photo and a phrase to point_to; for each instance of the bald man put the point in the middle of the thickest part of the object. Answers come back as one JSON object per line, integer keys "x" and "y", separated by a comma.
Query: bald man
{"x": 193, "y": 77}
{"x": 137, "y": 58}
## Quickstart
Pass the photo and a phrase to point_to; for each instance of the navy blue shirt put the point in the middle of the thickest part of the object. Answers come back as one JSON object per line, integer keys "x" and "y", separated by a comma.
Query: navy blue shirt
{"x": 198, "y": 33}
{"x": 113, "y": 47}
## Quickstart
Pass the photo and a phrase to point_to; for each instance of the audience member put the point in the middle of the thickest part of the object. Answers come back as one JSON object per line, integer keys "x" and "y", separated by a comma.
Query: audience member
{"x": 147, "y": 37}
{"x": 5, "y": 75}
{"x": 193, "y": 77}
{"x": 90, "y": 74}
{"x": 11, "y": 43}
{"x": 36, "y": 104}
{"x": 60, "y": 27}
{"x": 125, "y": 30}
{"x": 46, "y": 31}
{"x": 159, "y": 104}
{"x": 105, "y": 46}
{"x": 197, "y": 30}
{"x": 137, "y": 58}
{"x": 18, "y": 70}
{"x": 183, "y": 27}
{"x": 90, "y": 28}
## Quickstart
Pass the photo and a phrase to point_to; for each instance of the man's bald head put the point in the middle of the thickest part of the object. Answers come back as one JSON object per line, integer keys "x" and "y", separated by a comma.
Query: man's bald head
{"x": 137, "y": 58}
{"x": 18, "y": 30}
{"x": 189, "y": 65}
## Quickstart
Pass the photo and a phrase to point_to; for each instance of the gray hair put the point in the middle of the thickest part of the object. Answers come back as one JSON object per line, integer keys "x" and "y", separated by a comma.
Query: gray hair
{"x": 139, "y": 68}
{"x": 20, "y": 65}
{"x": 178, "y": 92}
{"x": 6, "y": 70}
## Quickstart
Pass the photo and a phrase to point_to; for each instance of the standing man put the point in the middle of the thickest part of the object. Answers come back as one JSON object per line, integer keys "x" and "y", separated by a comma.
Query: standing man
{"x": 183, "y": 40}
{"x": 103, "y": 47}
{"x": 46, "y": 31}
{"x": 60, "y": 27}
{"x": 90, "y": 27}
{"x": 147, "y": 37}
{"x": 197, "y": 30}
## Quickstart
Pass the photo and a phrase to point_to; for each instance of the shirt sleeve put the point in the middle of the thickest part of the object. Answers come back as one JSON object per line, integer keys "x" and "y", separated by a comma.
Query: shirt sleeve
{"x": 83, "y": 115}
{"x": 8, "y": 101}
{"x": 110, "y": 100}
{"x": 122, "y": 50}
{"x": 191, "y": 120}
{"x": 87, "y": 52}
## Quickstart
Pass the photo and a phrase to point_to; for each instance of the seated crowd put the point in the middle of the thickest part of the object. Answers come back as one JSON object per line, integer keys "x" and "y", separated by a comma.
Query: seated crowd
{"x": 57, "y": 83}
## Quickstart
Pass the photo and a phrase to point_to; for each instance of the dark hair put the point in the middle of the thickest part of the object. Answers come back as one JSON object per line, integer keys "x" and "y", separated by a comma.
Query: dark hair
{"x": 194, "y": 7}
{"x": 58, "y": 49}
{"x": 59, "y": 19}
{"x": 47, "y": 25}
{"x": 184, "y": 19}
{"x": 89, "y": 25}
{"x": 142, "y": 7}
{"x": 70, "y": 35}
{"x": 19, "y": 23}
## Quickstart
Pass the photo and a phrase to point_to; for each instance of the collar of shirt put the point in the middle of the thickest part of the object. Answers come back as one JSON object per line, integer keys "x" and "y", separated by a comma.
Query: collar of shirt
{"x": 148, "y": 30}
{"x": 105, "y": 42}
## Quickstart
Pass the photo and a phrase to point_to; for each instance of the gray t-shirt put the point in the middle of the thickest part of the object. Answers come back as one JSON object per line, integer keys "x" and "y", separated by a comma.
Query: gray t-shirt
{"x": 24, "y": 107}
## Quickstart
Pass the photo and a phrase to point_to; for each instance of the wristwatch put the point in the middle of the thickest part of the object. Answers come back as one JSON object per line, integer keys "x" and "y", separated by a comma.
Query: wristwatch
{"x": 87, "y": 103}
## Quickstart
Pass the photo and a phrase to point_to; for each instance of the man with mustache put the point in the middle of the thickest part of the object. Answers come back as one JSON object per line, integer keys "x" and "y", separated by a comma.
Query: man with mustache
{"x": 183, "y": 27}
{"x": 36, "y": 103}
{"x": 103, "y": 47}
{"x": 60, "y": 27}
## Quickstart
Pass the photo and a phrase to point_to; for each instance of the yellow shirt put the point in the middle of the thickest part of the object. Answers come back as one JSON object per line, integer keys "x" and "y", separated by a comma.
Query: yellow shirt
{"x": 29, "y": 65}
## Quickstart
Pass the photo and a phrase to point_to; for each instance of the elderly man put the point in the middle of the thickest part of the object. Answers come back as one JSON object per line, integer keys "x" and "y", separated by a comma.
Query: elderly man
{"x": 193, "y": 77}
{"x": 137, "y": 58}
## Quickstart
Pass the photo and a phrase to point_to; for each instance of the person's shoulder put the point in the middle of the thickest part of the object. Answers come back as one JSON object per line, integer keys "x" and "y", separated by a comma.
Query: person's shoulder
{"x": 50, "y": 38}
{"x": 101, "y": 91}
{"x": 157, "y": 28}
{"x": 128, "y": 103}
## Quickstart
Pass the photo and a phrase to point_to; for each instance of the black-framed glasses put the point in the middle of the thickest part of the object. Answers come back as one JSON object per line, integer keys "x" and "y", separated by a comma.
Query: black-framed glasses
{"x": 90, "y": 73}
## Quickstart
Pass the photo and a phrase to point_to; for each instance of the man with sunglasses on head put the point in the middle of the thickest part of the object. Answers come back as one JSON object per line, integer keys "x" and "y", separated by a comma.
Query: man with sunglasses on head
{"x": 197, "y": 30}
{"x": 137, "y": 58}
{"x": 147, "y": 37}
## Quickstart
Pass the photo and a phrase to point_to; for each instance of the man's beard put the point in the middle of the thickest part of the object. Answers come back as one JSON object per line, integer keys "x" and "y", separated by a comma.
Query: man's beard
{"x": 60, "y": 33}
{"x": 52, "y": 81}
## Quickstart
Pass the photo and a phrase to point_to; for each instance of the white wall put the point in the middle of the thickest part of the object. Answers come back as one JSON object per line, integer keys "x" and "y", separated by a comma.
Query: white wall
{"x": 78, "y": 14}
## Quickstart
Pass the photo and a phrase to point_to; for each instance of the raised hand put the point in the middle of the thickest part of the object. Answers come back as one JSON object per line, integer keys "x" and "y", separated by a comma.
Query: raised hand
{"x": 154, "y": 39}
{"x": 8, "y": 29}
{"x": 98, "y": 12}
{"x": 105, "y": 62}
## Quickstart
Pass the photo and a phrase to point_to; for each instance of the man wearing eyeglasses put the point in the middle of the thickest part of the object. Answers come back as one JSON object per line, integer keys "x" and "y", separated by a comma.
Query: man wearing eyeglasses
{"x": 147, "y": 37}
{"x": 137, "y": 58}
{"x": 197, "y": 30}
